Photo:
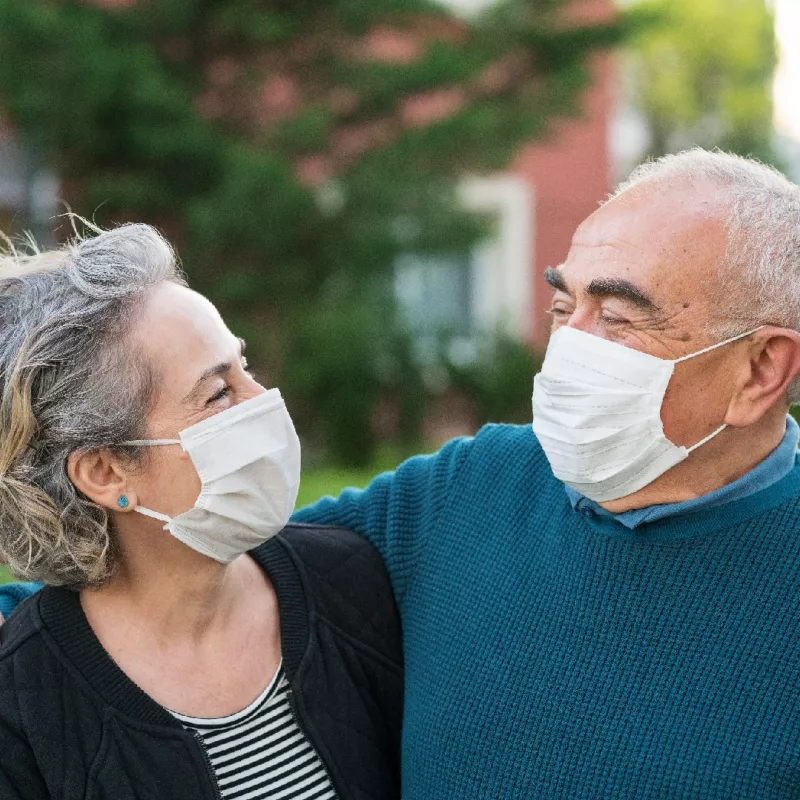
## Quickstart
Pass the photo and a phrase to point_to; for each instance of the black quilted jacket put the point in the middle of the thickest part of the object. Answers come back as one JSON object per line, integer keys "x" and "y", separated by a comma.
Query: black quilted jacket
{"x": 74, "y": 727}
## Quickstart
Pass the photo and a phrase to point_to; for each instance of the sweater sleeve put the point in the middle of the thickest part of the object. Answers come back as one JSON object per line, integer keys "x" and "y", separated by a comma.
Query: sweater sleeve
{"x": 399, "y": 510}
{"x": 12, "y": 594}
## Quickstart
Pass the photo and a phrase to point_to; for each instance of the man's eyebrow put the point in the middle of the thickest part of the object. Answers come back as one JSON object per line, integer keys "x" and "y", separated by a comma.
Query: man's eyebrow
{"x": 556, "y": 279}
{"x": 624, "y": 290}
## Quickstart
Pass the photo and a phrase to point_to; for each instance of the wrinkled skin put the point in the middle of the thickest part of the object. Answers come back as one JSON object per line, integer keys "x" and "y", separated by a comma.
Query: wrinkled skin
{"x": 642, "y": 271}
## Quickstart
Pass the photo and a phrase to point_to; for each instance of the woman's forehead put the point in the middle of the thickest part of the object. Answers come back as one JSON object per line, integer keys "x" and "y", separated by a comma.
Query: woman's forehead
{"x": 179, "y": 328}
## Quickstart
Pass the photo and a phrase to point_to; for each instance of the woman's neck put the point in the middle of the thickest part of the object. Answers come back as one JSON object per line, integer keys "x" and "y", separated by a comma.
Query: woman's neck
{"x": 172, "y": 618}
{"x": 171, "y": 590}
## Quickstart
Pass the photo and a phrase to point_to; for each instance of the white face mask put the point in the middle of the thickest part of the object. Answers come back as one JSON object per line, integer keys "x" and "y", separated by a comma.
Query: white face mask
{"x": 597, "y": 414}
{"x": 248, "y": 460}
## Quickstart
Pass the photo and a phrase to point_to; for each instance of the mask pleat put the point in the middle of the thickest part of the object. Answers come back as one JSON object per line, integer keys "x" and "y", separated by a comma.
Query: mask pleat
{"x": 597, "y": 415}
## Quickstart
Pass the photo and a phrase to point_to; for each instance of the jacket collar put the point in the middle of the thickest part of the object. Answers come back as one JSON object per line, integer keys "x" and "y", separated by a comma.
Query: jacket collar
{"x": 63, "y": 618}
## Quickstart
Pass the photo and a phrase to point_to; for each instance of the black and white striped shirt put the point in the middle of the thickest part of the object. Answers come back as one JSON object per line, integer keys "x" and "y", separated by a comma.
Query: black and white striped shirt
{"x": 260, "y": 753}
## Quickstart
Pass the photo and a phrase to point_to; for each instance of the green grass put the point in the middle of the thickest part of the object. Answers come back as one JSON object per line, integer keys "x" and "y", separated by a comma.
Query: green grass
{"x": 317, "y": 483}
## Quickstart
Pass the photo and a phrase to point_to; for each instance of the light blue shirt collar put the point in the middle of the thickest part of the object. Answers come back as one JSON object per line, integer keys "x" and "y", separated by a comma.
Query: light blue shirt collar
{"x": 775, "y": 466}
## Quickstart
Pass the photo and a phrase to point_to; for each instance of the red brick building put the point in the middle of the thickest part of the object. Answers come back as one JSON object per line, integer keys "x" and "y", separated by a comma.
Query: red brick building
{"x": 550, "y": 188}
{"x": 537, "y": 204}
{"x": 568, "y": 177}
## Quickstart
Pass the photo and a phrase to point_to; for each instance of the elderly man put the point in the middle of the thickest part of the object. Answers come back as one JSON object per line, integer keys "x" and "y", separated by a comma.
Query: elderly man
{"x": 609, "y": 605}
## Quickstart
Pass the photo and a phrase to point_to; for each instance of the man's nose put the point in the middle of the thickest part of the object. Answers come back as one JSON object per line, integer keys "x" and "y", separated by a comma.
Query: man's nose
{"x": 585, "y": 318}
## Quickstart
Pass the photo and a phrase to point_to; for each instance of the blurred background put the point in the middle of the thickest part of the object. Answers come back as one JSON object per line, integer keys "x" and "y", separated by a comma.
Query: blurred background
{"x": 370, "y": 192}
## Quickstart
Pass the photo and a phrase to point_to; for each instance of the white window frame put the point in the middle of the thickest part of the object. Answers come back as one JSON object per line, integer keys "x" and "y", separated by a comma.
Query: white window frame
{"x": 503, "y": 266}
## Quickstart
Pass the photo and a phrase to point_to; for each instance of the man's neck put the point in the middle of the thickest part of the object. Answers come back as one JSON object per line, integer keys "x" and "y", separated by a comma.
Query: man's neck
{"x": 725, "y": 459}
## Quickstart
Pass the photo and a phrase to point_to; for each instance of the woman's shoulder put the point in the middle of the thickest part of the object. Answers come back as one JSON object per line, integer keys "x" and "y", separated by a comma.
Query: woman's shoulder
{"x": 21, "y": 629}
{"x": 333, "y": 548}
{"x": 25, "y": 657}
{"x": 345, "y": 580}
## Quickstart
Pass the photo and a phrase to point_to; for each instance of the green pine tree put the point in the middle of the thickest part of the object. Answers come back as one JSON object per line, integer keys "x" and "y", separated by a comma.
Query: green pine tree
{"x": 288, "y": 159}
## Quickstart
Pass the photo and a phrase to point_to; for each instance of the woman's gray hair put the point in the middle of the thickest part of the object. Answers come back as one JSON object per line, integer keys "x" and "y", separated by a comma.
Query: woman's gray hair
{"x": 759, "y": 276}
{"x": 70, "y": 379}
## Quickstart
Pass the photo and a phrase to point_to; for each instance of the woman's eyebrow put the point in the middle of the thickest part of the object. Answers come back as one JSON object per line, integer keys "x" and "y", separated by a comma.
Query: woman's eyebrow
{"x": 212, "y": 372}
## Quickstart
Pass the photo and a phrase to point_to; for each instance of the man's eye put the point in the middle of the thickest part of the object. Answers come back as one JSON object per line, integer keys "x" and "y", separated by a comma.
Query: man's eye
{"x": 220, "y": 395}
{"x": 612, "y": 319}
{"x": 555, "y": 311}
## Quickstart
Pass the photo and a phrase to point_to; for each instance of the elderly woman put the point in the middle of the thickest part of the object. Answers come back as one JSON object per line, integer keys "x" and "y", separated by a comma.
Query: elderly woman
{"x": 188, "y": 644}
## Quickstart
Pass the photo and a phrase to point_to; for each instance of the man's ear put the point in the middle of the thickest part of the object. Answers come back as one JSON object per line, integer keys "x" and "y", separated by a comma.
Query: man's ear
{"x": 774, "y": 364}
{"x": 97, "y": 475}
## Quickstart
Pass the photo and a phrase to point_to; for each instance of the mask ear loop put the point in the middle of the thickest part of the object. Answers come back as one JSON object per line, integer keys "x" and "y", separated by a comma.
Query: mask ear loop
{"x": 718, "y": 344}
{"x": 145, "y": 442}
{"x": 707, "y": 439}
{"x": 699, "y": 353}
{"x": 141, "y": 509}
{"x": 154, "y": 514}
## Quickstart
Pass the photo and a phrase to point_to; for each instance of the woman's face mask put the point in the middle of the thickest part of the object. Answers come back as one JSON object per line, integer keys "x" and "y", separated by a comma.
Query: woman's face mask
{"x": 248, "y": 460}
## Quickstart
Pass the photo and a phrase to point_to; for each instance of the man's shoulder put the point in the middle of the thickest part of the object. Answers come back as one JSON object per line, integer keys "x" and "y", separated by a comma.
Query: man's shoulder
{"x": 493, "y": 441}
{"x": 500, "y": 434}
{"x": 501, "y": 451}
{"x": 12, "y": 594}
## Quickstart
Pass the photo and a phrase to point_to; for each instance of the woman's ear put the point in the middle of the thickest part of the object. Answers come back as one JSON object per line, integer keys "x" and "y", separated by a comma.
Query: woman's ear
{"x": 97, "y": 475}
{"x": 774, "y": 364}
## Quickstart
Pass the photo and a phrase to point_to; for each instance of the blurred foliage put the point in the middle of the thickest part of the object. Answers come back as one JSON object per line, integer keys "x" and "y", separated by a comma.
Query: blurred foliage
{"x": 318, "y": 482}
{"x": 278, "y": 146}
{"x": 499, "y": 380}
{"x": 703, "y": 74}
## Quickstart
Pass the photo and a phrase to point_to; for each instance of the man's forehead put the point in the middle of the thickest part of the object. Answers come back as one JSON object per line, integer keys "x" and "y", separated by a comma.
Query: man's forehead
{"x": 661, "y": 234}
{"x": 643, "y": 213}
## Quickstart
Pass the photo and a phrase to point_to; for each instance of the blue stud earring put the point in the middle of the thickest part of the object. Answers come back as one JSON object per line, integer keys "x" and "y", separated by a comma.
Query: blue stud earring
{"x": 123, "y": 501}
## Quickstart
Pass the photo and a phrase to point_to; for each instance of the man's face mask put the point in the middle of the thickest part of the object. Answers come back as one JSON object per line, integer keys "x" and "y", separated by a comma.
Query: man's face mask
{"x": 248, "y": 460}
{"x": 597, "y": 414}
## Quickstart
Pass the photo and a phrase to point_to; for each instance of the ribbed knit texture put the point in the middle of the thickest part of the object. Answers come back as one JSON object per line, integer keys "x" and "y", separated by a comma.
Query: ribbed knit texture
{"x": 553, "y": 655}
{"x": 13, "y": 594}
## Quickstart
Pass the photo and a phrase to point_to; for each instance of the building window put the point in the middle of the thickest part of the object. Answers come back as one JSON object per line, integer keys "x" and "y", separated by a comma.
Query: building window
{"x": 460, "y": 296}
{"x": 435, "y": 294}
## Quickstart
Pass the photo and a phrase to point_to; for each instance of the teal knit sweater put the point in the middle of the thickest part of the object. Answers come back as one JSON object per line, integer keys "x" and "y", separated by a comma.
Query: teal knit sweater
{"x": 555, "y": 655}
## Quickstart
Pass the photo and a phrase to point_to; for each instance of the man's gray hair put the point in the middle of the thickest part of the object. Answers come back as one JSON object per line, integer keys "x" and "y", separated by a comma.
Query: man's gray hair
{"x": 760, "y": 272}
{"x": 70, "y": 379}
